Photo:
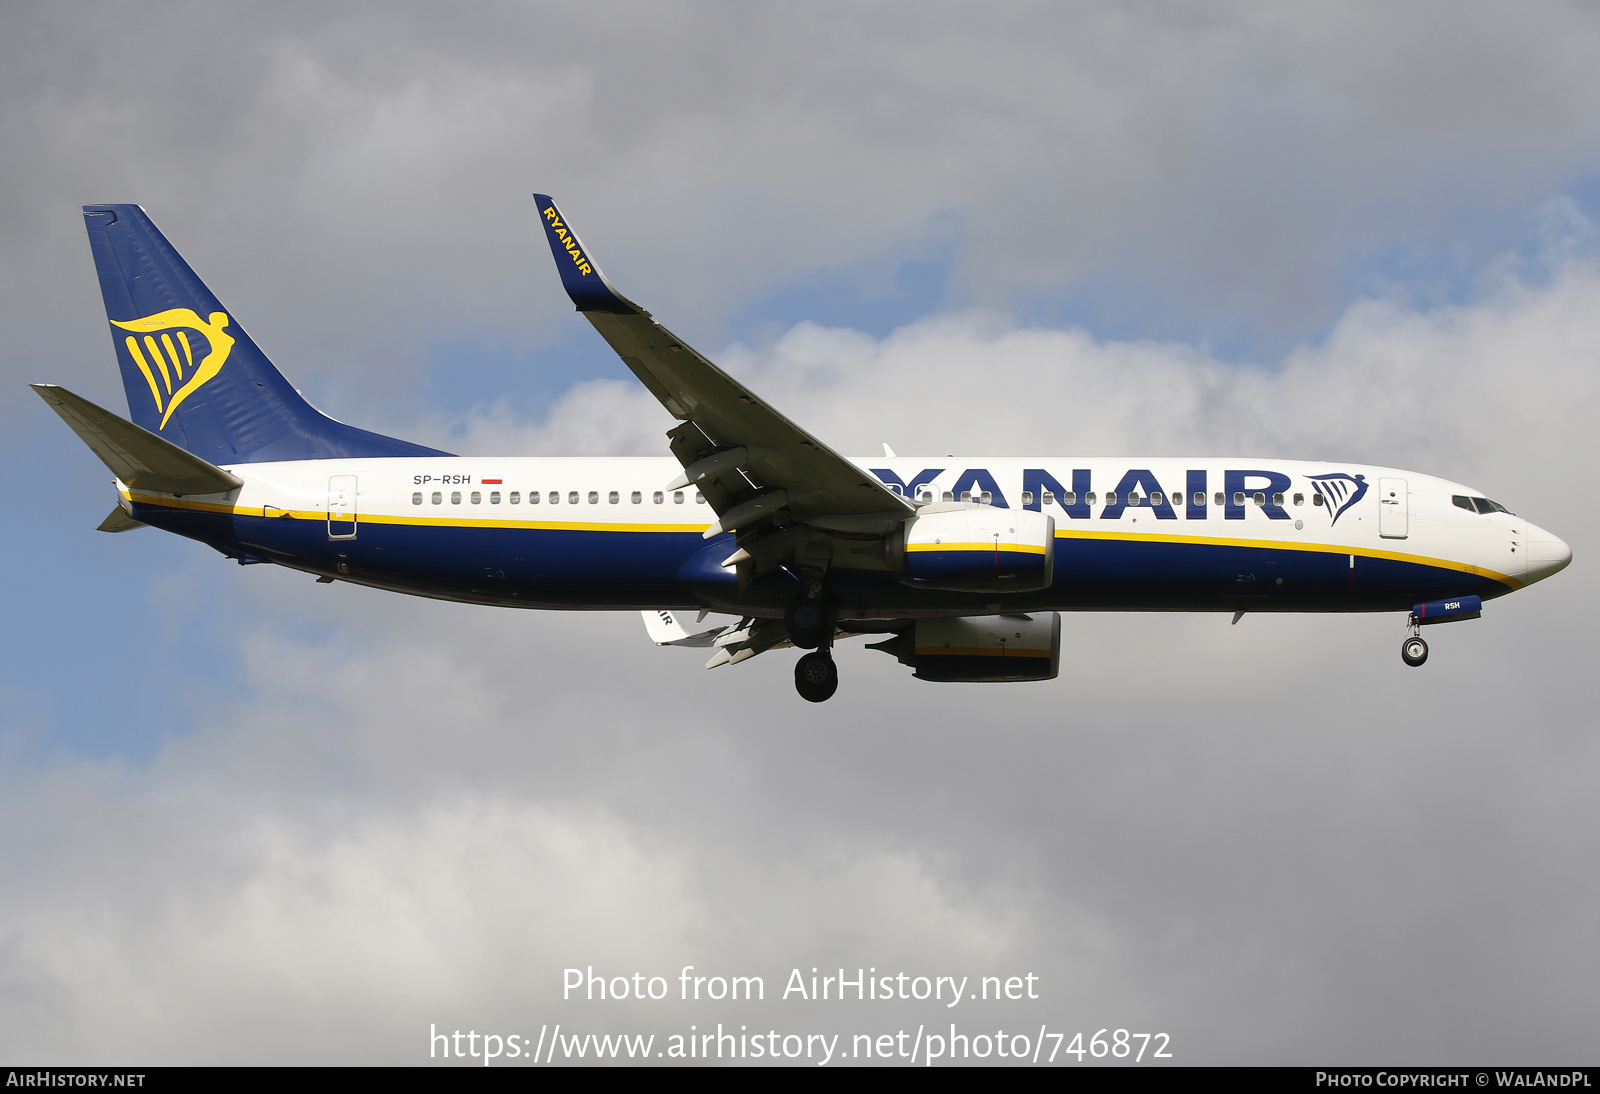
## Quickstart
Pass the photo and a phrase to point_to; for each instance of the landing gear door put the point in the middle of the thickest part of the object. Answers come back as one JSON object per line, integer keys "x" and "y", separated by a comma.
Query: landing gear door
{"x": 1393, "y": 508}
{"x": 342, "y": 507}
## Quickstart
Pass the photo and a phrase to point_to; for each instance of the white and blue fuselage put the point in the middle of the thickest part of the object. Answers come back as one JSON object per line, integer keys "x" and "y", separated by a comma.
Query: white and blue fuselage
{"x": 1148, "y": 535}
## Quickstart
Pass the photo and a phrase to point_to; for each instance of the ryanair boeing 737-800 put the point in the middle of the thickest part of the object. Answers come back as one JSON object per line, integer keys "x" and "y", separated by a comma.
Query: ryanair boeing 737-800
{"x": 958, "y": 566}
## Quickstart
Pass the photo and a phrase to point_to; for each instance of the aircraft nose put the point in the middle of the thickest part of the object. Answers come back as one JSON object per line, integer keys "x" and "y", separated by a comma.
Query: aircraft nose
{"x": 1547, "y": 554}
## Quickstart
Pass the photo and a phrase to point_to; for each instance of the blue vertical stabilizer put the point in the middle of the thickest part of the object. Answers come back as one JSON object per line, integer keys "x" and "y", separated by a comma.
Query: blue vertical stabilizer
{"x": 193, "y": 376}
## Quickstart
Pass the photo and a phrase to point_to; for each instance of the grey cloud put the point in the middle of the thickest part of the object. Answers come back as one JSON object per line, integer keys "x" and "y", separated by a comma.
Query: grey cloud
{"x": 359, "y": 183}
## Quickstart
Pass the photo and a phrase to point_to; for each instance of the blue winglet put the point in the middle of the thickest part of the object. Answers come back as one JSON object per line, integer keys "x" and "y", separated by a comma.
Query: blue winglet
{"x": 580, "y": 275}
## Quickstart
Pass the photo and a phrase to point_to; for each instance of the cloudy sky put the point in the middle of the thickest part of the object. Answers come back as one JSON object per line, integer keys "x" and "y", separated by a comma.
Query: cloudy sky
{"x": 248, "y": 818}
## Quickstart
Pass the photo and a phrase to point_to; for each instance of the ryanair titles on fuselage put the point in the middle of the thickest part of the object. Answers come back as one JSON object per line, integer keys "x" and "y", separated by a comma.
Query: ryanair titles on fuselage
{"x": 1139, "y": 487}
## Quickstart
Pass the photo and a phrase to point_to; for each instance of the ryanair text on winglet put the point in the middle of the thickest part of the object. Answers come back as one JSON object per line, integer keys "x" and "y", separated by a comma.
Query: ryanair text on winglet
{"x": 567, "y": 240}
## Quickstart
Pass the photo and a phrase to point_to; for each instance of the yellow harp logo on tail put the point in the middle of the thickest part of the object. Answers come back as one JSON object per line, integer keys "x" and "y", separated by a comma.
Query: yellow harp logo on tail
{"x": 166, "y": 344}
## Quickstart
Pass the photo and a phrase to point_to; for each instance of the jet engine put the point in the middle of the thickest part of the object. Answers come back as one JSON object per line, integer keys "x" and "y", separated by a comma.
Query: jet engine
{"x": 978, "y": 548}
{"x": 974, "y": 649}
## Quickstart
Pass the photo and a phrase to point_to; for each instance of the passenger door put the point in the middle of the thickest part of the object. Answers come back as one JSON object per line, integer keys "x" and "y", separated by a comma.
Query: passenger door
{"x": 1393, "y": 508}
{"x": 341, "y": 507}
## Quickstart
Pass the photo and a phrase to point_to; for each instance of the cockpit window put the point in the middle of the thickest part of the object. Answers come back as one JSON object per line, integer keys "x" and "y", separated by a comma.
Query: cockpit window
{"x": 1478, "y": 505}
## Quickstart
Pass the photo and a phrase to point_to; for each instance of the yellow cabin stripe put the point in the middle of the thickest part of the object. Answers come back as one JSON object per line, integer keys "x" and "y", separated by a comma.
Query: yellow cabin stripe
{"x": 599, "y": 526}
{"x": 427, "y": 522}
{"x": 1010, "y": 548}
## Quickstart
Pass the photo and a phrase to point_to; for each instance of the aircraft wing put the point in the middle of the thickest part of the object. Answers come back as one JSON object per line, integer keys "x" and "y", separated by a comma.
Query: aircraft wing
{"x": 750, "y": 461}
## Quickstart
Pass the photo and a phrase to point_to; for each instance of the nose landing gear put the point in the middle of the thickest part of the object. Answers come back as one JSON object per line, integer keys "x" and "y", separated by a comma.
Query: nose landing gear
{"x": 1414, "y": 651}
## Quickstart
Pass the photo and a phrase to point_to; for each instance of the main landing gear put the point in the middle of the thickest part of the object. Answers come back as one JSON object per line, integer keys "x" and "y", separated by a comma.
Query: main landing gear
{"x": 816, "y": 677}
{"x": 806, "y": 620}
{"x": 810, "y": 627}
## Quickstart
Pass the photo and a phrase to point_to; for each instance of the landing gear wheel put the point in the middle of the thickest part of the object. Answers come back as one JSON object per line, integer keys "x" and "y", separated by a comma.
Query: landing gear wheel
{"x": 816, "y": 677}
{"x": 806, "y": 620}
{"x": 1414, "y": 651}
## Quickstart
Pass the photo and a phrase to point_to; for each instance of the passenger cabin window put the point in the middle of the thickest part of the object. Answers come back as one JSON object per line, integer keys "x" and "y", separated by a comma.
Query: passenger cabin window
{"x": 477, "y": 498}
{"x": 1027, "y": 497}
{"x": 1133, "y": 500}
{"x": 416, "y": 499}
{"x": 1199, "y": 500}
{"x": 455, "y": 497}
{"x": 594, "y": 497}
{"x": 516, "y": 497}
{"x": 1111, "y": 497}
{"x": 927, "y": 495}
{"x": 677, "y": 497}
{"x": 572, "y": 497}
{"x": 1299, "y": 499}
{"x": 1238, "y": 497}
{"x": 1277, "y": 499}
{"x": 638, "y": 498}
{"x": 1260, "y": 498}
{"x": 1088, "y": 499}
{"x": 613, "y": 497}
{"x": 658, "y": 497}
{"x": 1155, "y": 498}
{"x": 699, "y": 498}
{"x": 1222, "y": 499}
{"x": 1316, "y": 499}
{"x": 437, "y": 497}
{"x": 494, "y": 497}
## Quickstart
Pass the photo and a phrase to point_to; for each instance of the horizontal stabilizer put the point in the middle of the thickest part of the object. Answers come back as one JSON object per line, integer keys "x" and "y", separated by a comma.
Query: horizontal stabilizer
{"x": 118, "y": 521}
{"x": 135, "y": 455}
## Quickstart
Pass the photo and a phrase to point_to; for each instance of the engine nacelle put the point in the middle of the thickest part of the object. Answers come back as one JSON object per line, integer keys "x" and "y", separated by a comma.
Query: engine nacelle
{"x": 974, "y": 649}
{"x": 978, "y": 549}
